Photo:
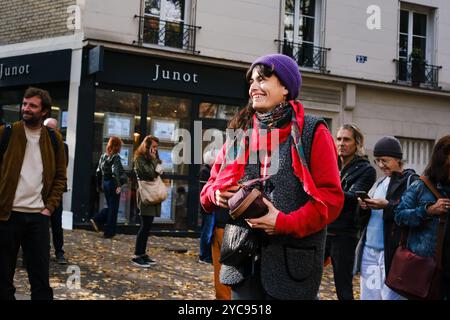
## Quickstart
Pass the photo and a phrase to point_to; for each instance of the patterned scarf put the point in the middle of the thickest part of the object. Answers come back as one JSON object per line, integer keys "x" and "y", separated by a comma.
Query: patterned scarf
{"x": 277, "y": 118}
{"x": 238, "y": 150}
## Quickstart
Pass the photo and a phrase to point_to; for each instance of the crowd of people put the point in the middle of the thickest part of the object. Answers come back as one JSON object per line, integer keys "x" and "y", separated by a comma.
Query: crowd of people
{"x": 324, "y": 203}
{"x": 319, "y": 195}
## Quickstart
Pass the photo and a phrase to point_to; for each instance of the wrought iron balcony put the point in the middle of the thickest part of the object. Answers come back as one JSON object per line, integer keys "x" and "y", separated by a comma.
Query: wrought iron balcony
{"x": 417, "y": 74}
{"x": 306, "y": 54}
{"x": 174, "y": 34}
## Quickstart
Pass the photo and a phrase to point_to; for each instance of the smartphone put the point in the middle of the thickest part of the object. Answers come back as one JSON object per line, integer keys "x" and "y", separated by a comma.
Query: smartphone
{"x": 362, "y": 194}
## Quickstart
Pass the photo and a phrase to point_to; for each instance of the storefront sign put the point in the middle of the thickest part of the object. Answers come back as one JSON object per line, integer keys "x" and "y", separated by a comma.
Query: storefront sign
{"x": 30, "y": 69}
{"x": 163, "y": 74}
{"x": 13, "y": 71}
{"x": 172, "y": 75}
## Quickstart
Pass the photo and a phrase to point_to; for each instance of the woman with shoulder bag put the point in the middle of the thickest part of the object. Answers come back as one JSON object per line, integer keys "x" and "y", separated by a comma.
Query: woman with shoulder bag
{"x": 421, "y": 211}
{"x": 113, "y": 175}
{"x": 148, "y": 169}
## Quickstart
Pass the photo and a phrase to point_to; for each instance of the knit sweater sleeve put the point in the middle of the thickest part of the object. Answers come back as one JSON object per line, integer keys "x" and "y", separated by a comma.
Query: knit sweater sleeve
{"x": 325, "y": 173}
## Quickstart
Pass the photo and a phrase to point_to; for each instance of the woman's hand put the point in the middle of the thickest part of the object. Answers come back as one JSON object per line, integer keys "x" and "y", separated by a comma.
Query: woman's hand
{"x": 441, "y": 206}
{"x": 376, "y": 204}
{"x": 222, "y": 196}
{"x": 266, "y": 222}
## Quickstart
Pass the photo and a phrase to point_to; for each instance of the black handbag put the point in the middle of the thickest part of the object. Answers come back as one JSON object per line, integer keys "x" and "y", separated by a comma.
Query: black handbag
{"x": 239, "y": 243}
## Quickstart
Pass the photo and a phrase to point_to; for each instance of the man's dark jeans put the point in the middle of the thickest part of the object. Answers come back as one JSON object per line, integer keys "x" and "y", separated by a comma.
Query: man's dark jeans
{"x": 341, "y": 249}
{"x": 29, "y": 231}
{"x": 57, "y": 230}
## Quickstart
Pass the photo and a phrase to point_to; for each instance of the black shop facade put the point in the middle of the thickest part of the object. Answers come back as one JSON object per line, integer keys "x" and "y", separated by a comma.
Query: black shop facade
{"x": 48, "y": 70}
{"x": 130, "y": 96}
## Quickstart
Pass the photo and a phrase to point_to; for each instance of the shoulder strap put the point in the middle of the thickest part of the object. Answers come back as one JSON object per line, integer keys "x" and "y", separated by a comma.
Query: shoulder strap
{"x": 442, "y": 220}
{"x": 408, "y": 181}
{"x": 309, "y": 128}
{"x": 53, "y": 138}
{"x": 430, "y": 186}
{"x": 5, "y": 140}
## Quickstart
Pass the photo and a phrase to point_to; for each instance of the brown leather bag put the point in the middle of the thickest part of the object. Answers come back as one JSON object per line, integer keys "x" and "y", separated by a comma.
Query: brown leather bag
{"x": 248, "y": 202}
{"x": 413, "y": 276}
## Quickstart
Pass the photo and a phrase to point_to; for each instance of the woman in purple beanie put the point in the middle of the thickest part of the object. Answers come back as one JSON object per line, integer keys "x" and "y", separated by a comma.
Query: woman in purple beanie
{"x": 302, "y": 186}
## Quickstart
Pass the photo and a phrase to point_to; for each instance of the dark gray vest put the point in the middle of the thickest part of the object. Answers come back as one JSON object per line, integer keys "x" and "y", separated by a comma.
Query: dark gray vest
{"x": 291, "y": 268}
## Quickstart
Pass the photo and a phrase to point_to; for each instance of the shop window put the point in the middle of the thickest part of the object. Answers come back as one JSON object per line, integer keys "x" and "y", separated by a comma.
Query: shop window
{"x": 11, "y": 101}
{"x": 164, "y": 116}
{"x": 174, "y": 209}
{"x": 117, "y": 114}
{"x": 217, "y": 111}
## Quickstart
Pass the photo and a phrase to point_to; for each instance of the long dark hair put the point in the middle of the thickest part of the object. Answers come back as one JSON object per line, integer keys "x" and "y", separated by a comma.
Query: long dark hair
{"x": 243, "y": 118}
{"x": 438, "y": 168}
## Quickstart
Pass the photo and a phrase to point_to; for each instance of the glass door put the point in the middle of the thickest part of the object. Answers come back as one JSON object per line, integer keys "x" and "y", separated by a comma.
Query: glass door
{"x": 117, "y": 113}
{"x": 214, "y": 118}
{"x": 166, "y": 114}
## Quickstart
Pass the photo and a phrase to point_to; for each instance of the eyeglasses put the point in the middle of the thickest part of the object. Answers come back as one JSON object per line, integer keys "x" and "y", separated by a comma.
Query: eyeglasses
{"x": 381, "y": 161}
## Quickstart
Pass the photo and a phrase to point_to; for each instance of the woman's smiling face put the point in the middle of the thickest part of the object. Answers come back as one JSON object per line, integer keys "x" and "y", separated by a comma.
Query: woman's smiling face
{"x": 266, "y": 92}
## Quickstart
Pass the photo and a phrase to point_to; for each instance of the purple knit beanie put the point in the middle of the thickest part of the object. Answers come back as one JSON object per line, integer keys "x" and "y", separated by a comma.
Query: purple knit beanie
{"x": 286, "y": 69}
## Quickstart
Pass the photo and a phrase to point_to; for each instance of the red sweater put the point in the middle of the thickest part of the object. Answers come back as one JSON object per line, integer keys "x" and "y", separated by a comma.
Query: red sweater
{"x": 325, "y": 173}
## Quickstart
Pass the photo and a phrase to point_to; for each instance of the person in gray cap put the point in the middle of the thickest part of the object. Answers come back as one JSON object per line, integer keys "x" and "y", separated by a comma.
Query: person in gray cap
{"x": 381, "y": 235}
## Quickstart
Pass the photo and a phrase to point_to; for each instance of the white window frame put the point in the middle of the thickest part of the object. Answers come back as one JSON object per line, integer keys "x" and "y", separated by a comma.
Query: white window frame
{"x": 186, "y": 20}
{"x": 297, "y": 16}
{"x": 430, "y": 35}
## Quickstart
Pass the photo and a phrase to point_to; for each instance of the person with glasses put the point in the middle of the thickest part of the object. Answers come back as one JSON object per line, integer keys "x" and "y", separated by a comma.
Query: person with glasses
{"x": 381, "y": 235}
{"x": 357, "y": 174}
{"x": 147, "y": 166}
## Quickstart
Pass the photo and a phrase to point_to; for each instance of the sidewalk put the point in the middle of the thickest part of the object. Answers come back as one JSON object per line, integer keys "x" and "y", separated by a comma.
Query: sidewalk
{"x": 106, "y": 271}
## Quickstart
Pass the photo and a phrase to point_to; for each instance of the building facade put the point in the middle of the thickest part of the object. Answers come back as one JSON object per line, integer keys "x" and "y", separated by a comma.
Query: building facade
{"x": 153, "y": 66}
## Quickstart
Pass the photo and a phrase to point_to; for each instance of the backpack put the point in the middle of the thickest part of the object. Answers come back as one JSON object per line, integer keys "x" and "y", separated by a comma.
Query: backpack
{"x": 7, "y": 135}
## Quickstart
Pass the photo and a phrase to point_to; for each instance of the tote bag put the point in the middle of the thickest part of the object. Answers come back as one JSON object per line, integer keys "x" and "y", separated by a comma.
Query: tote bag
{"x": 152, "y": 192}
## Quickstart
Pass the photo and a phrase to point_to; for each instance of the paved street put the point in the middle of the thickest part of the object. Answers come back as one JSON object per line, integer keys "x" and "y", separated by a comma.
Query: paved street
{"x": 107, "y": 273}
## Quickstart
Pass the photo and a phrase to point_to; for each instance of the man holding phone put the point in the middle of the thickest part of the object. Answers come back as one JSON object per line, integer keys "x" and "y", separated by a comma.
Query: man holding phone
{"x": 357, "y": 175}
